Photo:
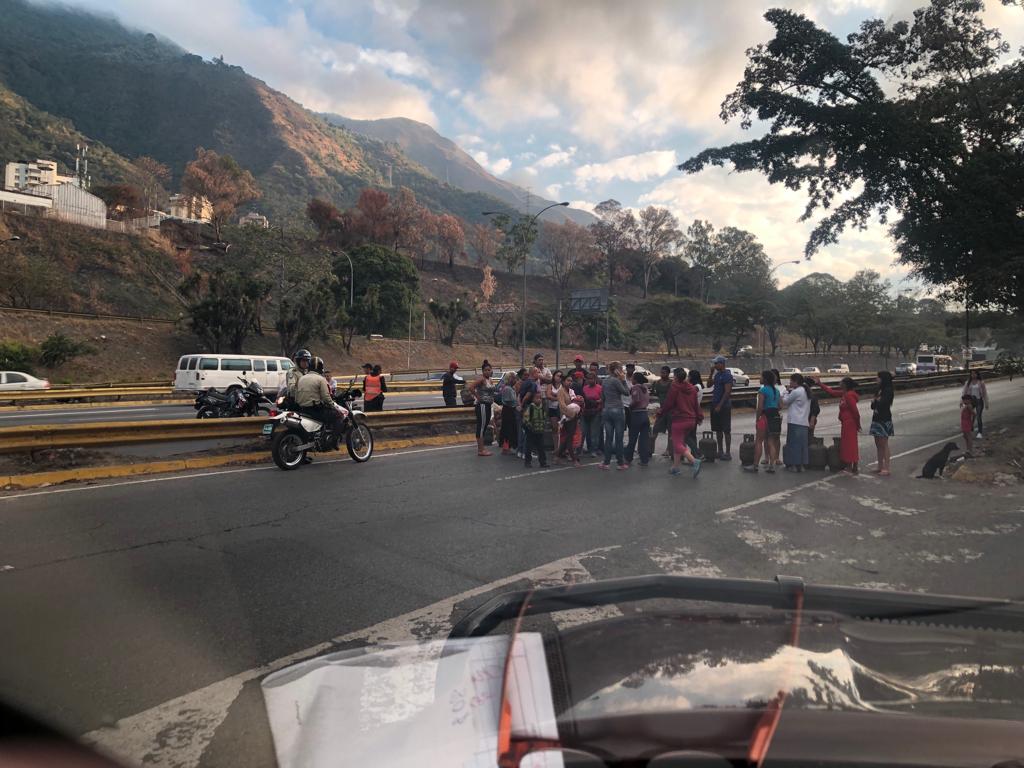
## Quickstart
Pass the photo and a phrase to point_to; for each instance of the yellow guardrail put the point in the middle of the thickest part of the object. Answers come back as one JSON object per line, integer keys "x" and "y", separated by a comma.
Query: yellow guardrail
{"x": 38, "y": 436}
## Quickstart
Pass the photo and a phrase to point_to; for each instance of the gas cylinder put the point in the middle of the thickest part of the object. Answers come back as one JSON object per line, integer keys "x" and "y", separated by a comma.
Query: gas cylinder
{"x": 747, "y": 450}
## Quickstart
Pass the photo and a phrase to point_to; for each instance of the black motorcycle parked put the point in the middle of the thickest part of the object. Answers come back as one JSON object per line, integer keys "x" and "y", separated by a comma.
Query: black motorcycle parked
{"x": 247, "y": 400}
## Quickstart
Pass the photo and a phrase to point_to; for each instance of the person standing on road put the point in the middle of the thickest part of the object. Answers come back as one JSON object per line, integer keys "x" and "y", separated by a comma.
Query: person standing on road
{"x": 545, "y": 372}
{"x": 578, "y": 375}
{"x": 768, "y": 423}
{"x": 449, "y": 384}
{"x": 613, "y": 416}
{"x": 849, "y": 422}
{"x": 797, "y": 400}
{"x": 534, "y": 420}
{"x": 374, "y": 388}
{"x": 975, "y": 387}
{"x": 698, "y": 384}
{"x": 569, "y": 408}
{"x": 721, "y": 407}
{"x": 551, "y": 390}
{"x": 482, "y": 391}
{"x": 529, "y": 385}
{"x": 509, "y": 437}
{"x": 967, "y": 424}
{"x": 881, "y": 422}
{"x": 659, "y": 391}
{"x": 592, "y": 397}
{"x": 684, "y": 408}
{"x": 640, "y": 422}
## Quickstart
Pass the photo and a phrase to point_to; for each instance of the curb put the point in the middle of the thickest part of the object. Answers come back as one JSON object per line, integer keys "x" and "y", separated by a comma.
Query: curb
{"x": 84, "y": 474}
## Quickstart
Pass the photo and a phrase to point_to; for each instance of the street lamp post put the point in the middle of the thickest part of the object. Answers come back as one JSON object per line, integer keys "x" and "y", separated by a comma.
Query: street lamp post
{"x": 764, "y": 356}
{"x": 533, "y": 219}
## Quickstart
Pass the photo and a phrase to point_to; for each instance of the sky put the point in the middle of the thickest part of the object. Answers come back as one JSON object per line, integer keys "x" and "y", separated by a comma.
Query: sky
{"x": 582, "y": 101}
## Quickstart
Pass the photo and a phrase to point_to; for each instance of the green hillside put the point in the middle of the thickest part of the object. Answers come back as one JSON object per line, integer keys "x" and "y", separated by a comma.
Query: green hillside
{"x": 140, "y": 95}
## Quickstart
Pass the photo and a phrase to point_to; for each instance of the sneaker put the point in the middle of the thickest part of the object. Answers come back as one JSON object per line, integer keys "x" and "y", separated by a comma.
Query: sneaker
{"x": 674, "y": 471}
{"x": 749, "y": 468}
{"x": 978, "y": 436}
{"x": 792, "y": 469}
{"x": 696, "y": 467}
{"x": 771, "y": 469}
{"x": 644, "y": 463}
{"x": 602, "y": 465}
{"x": 623, "y": 466}
{"x": 576, "y": 464}
{"x": 543, "y": 466}
{"x": 725, "y": 456}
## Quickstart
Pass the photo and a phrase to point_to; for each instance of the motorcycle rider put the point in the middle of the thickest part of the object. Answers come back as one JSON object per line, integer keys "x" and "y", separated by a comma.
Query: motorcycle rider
{"x": 303, "y": 359}
{"x": 313, "y": 396}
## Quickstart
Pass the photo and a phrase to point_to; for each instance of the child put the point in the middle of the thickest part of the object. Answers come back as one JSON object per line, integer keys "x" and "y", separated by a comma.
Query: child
{"x": 967, "y": 422}
{"x": 534, "y": 422}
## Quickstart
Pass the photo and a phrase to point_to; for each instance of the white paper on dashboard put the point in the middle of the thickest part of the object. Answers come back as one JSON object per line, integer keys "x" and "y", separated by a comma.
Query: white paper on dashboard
{"x": 408, "y": 705}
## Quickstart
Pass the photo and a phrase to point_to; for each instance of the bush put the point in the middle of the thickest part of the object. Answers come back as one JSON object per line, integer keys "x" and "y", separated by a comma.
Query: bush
{"x": 58, "y": 349}
{"x": 15, "y": 356}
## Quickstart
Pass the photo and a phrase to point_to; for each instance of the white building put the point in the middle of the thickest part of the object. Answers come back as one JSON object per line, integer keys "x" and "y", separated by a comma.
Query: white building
{"x": 25, "y": 204}
{"x": 253, "y": 219}
{"x": 73, "y": 204}
{"x": 191, "y": 208}
{"x": 24, "y": 176}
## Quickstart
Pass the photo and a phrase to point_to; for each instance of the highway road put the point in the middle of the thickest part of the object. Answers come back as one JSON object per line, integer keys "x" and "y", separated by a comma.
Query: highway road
{"x": 156, "y": 411}
{"x": 144, "y": 612}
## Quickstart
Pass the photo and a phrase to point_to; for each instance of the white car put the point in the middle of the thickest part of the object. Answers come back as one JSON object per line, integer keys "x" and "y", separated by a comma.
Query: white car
{"x": 842, "y": 368}
{"x": 12, "y": 381}
{"x": 789, "y": 371}
{"x": 739, "y": 377}
{"x": 811, "y": 370}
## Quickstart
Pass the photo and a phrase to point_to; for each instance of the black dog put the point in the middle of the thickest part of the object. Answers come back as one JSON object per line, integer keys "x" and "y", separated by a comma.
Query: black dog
{"x": 937, "y": 463}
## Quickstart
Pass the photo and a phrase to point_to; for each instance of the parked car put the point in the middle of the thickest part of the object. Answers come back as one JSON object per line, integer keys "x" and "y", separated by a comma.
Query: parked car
{"x": 198, "y": 372}
{"x": 812, "y": 370}
{"x": 906, "y": 369}
{"x": 786, "y": 372}
{"x": 747, "y": 351}
{"x": 841, "y": 368}
{"x": 15, "y": 380}
{"x": 739, "y": 377}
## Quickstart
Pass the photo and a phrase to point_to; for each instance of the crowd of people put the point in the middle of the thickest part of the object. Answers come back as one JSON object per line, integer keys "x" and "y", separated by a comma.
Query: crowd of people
{"x": 609, "y": 417}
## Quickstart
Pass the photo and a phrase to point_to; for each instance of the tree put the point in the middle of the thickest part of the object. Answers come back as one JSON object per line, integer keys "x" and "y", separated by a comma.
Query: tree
{"x": 220, "y": 180}
{"x": 699, "y": 249}
{"x": 448, "y": 318}
{"x": 518, "y": 236}
{"x": 742, "y": 270}
{"x": 669, "y": 318}
{"x": 655, "y": 236}
{"x": 564, "y": 249}
{"x": 224, "y": 305}
{"x": 810, "y": 306}
{"x": 152, "y": 178}
{"x": 308, "y": 316}
{"x": 612, "y": 233}
{"x": 451, "y": 238}
{"x": 324, "y": 216}
{"x": 374, "y": 217}
{"x": 386, "y": 285}
{"x": 484, "y": 240}
{"x": 411, "y": 223}
{"x": 939, "y": 146}
{"x": 863, "y": 297}
{"x": 733, "y": 321}
{"x": 124, "y": 201}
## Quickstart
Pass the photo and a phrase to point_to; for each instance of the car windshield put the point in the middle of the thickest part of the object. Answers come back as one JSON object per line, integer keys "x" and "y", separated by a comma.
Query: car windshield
{"x": 345, "y": 345}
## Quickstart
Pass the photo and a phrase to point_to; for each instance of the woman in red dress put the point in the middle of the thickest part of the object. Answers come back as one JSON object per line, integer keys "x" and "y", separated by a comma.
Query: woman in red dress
{"x": 849, "y": 422}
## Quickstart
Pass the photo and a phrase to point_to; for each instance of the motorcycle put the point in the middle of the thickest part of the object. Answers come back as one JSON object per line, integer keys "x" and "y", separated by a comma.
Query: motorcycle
{"x": 293, "y": 434}
{"x": 247, "y": 400}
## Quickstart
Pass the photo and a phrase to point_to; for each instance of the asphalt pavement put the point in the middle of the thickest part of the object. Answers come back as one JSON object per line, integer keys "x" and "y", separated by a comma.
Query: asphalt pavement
{"x": 144, "y": 612}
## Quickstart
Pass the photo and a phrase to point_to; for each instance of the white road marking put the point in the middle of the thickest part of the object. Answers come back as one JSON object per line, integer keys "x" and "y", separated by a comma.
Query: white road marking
{"x": 176, "y": 733}
{"x": 240, "y": 470}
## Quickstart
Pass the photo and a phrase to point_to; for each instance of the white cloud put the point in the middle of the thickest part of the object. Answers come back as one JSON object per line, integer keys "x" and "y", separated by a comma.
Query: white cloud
{"x": 553, "y": 190}
{"x": 294, "y": 56}
{"x": 556, "y": 158}
{"x": 772, "y": 212}
{"x": 468, "y": 140}
{"x": 498, "y": 166}
{"x": 647, "y": 165}
{"x": 583, "y": 205}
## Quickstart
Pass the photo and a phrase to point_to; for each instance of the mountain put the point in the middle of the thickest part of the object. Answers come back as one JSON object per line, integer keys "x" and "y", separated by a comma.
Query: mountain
{"x": 142, "y": 95}
{"x": 447, "y": 162}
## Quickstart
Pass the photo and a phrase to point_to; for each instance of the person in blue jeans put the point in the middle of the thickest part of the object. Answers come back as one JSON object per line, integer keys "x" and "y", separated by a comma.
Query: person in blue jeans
{"x": 639, "y": 421}
{"x": 615, "y": 395}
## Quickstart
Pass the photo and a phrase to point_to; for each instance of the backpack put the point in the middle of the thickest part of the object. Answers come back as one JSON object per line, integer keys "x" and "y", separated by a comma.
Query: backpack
{"x": 815, "y": 408}
{"x": 467, "y": 397}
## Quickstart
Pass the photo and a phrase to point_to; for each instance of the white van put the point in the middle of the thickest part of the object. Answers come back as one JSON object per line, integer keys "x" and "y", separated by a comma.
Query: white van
{"x": 198, "y": 372}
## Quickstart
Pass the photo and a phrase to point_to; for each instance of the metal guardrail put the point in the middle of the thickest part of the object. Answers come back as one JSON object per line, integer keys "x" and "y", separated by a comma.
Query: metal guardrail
{"x": 40, "y": 436}
{"x": 90, "y": 315}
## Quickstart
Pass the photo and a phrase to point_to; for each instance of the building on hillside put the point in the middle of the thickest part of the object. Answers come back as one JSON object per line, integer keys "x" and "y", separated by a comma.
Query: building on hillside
{"x": 73, "y": 204}
{"x": 191, "y": 208}
{"x": 23, "y": 176}
{"x": 25, "y": 204}
{"x": 253, "y": 219}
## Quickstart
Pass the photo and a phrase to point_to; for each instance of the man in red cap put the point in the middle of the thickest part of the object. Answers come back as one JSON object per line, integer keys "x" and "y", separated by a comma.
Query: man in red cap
{"x": 579, "y": 375}
{"x": 449, "y": 383}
